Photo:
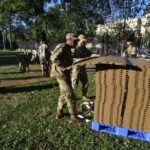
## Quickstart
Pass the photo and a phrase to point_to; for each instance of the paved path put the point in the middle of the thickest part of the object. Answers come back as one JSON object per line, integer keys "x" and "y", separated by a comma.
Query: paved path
{"x": 35, "y": 76}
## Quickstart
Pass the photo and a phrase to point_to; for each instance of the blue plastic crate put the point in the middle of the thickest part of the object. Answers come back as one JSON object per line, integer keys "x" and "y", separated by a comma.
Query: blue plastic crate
{"x": 140, "y": 135}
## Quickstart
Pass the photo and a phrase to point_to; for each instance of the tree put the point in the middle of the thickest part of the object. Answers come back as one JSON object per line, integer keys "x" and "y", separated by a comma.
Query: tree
{"x": 6, "y": 9}
{"x": 33, "y": 22}
{"x": 81, "y": 16}
{"x": 146, "y": 38}
{"x": 33, "y": 14}
{"x": 3, "y": 28}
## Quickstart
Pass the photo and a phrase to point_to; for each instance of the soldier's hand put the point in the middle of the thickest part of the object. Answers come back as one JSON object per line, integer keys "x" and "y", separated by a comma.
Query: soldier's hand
{"x": 76, "y": 60}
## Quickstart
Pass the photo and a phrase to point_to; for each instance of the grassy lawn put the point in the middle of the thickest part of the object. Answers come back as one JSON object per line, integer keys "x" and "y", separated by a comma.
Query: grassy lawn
{"x": 12, "y": 73}
{"x": 27, "y": 121}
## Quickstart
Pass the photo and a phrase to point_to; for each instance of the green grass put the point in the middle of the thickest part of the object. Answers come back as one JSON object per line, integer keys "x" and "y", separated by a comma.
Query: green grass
{"x": 27, "y": 121}
{"x": 12, "y": 73}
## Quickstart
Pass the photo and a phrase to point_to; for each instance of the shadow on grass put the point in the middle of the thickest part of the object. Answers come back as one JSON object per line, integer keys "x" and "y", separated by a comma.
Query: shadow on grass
{"x": 5, "y": 90}
{"x": 35, "y": 70}
{"x": 23, "y": 78}
{"x": 6, "y": 73}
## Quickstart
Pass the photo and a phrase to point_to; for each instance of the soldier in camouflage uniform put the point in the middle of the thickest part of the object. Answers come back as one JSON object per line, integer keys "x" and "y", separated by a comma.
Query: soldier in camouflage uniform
{"x": 61, "y": 58}
{"x": 44, "y": 56}
{"x": 79, "y": 73}
{"x": 105, "y": 41}
{"x": 24, "y": 61}
{"x": 131, "y": 50}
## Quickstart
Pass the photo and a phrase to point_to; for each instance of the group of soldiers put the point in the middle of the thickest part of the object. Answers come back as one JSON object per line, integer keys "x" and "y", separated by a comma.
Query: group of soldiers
{"x": 62, "y": 57}
{"x": 57, "y": 60}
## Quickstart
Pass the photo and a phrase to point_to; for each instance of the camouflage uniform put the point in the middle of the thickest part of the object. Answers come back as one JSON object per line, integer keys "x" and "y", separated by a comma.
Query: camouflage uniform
{"x": 131, "y": 51}
{"x": 44, "y": 56}
{"x": 105, "y": 42}
{"x": 24, "y": 61}
{"x": 79, "y": 73}
{"x": 61, "y": 58}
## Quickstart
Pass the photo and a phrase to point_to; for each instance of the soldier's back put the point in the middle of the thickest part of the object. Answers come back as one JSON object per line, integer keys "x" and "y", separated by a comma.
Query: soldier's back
{"x": 42, "y": 50}
{"x": 62, "y": 55}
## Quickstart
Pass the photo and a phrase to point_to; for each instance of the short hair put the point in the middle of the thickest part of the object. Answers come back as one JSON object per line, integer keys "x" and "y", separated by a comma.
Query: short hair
{"x": 82, "y": 37}
{"x": 69, "y": 35}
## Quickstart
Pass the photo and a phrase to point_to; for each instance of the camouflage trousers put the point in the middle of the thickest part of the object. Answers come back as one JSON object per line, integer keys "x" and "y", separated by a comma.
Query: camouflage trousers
{"x": 45, "y": 66}
{"x": 67, "y": 95}
{"x": 79, "y": 74}
{"x": 23, "y": 66}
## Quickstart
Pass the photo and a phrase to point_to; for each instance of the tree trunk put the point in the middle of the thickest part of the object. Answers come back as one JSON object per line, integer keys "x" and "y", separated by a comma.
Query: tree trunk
{"x": 40, "y": 35}
{"x": 3, "y": 33}
{"x": 10, "y": 33}
{"x": 138, "y": 36}
{"x": 40, "y": 31}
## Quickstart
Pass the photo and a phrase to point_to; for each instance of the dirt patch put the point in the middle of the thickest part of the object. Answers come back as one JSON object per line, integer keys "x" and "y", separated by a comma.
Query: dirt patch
{"x": 35, "y": 76}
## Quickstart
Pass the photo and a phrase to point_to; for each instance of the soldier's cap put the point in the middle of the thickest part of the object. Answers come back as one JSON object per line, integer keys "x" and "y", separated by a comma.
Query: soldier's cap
{"x": 70, "y": 36}
{"x": 81, "y": 37}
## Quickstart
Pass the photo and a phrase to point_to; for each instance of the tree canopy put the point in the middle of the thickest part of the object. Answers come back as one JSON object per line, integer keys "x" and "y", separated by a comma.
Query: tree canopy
{"x": 51, "y": 19}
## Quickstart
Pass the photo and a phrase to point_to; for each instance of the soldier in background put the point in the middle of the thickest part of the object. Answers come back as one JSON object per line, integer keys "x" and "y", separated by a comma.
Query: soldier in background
{"x": 79, "y": 73}
{"x": 105, "y": 42}
{"x": 44, "y": 57}
{"x": 131, "y": 50}
{"x": 138, "y": 41}
{"x": 121, "y": 47}
{"x": 24, "y": 61}
{"x": 61, "y": 58}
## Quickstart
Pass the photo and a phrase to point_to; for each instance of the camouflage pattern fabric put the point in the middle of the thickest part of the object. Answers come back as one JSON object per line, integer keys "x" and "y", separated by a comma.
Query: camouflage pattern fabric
{"x": 44, "y": 56}
{"x": 24, "y": 61}
{"x": 79, "y": 74}
{"x": 131, "y": 51}
{"x": 61, "y": 57}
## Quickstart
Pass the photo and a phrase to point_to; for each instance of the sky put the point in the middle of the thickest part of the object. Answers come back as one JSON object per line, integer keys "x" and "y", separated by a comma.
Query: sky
{"x": 115, "y": 13}
{"x": 140, "y": 15}
{"x": 51, "y": 5}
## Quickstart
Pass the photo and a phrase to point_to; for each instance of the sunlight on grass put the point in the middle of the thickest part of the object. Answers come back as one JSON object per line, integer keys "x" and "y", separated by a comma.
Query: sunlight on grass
{"x": 14, "y": 72}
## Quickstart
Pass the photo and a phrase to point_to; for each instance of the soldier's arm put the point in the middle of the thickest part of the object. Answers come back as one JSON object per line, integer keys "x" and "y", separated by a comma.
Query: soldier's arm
{"x": 56, "y": 53}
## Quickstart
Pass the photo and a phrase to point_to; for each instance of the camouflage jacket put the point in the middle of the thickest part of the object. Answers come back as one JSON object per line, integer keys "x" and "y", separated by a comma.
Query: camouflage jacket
{"x": 81, "y": 52}
{"x": 62, "y": 55}
{"x": 131, "y": 50}
{"x": 43, "y": 52}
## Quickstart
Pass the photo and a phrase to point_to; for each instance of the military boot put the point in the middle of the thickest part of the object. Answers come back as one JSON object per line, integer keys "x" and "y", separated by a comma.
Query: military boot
{"x": 59, "y": 114}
